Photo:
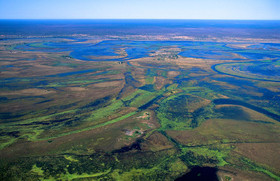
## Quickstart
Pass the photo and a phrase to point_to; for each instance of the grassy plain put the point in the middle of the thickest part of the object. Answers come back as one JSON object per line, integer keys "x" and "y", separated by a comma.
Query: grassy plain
{"x": 149, "y": 118}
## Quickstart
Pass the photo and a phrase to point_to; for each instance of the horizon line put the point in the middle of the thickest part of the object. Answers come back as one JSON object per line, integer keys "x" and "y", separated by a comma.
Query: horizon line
{"x": 135, "y": 19}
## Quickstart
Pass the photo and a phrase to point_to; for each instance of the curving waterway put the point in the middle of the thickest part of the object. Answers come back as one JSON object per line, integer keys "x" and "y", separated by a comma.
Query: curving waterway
{"x": 250, "y": 106}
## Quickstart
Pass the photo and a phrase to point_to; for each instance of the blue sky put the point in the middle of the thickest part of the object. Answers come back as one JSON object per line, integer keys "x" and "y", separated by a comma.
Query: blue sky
{"x": 140, "y": 9}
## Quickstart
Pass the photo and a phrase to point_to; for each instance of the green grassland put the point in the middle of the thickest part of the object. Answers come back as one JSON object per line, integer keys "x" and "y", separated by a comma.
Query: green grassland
{"x": 83, "y": 120}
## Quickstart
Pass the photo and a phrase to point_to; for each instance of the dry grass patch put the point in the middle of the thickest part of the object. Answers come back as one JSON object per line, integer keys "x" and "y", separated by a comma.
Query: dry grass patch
{"x": 228, "y": 130}
{"x": 263, "y": 153}
{"x": 24, "y": 92}
{"x": 109, "y": 84}
{"x": 156, "y": 142}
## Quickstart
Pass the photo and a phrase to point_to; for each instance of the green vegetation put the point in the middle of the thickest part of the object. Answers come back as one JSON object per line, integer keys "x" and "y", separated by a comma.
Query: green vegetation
{"x": 175, "y": 112}
{"x": 140, "y": 97}
{"x": 228, "y": 178}
{"x": 6, "y": 141}
{"x": 149, "y": 80}
{"x": 204, "y": 154}
{"x": 114, "y": 120}
{"x": 154, "y": 118}
{"x": 255, "y": 167}
{"x": 70, "y": 158}
{"x": 106, "y": 111}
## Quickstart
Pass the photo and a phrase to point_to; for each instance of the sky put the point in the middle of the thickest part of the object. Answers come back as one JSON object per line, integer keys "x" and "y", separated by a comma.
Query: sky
{"x": 140, "y": 9}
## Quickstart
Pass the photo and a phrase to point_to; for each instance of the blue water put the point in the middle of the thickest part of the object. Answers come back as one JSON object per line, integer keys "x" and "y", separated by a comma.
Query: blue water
{"x": 135, "y": 49}
{"x": 140, "y": 49}
{"x": 266, "y": 69}
{"x": 266, "y": 46}
{"x": 73, "y": 73}
{"x": 6, "y": 67}
{"x": 260, "y": 55}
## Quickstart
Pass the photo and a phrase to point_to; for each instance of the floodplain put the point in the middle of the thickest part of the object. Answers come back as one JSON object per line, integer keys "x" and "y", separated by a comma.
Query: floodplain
{"x": 141, "y": 107}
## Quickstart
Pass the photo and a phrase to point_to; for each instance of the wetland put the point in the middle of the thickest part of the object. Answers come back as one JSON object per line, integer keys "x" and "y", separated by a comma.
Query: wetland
{"x": 147, "y": 102}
